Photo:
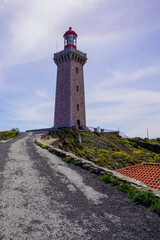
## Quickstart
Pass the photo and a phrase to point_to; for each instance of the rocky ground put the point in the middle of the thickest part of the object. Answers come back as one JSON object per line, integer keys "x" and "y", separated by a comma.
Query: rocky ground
{"x": 42, "y": 197}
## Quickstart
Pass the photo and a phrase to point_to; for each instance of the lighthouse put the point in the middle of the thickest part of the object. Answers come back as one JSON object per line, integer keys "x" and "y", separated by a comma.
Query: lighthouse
{"x": 70, "y": 95}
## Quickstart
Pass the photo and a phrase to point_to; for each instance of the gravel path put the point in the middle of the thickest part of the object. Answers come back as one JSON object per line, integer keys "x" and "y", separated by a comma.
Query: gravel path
{"x": 42, "y": 197}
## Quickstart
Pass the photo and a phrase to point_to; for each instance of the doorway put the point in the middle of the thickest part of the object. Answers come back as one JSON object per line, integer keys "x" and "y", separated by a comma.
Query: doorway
{"x": 78, "y": 124}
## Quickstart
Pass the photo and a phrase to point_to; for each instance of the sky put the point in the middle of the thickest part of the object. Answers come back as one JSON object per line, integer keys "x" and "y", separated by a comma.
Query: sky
{"x": 122, "y": 73}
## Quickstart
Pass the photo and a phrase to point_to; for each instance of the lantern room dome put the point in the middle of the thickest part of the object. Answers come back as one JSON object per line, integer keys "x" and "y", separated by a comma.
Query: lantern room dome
{"x": 70, "y": 31}
{"x": 70, "y": 39}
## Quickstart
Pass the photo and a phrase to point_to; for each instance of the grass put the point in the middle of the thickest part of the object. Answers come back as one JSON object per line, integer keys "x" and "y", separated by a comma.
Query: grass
{"x": 108, "y": 151}
{"x": 6, "y": 135}
{"x": 71, "y": 160}
{"x": 112, "y": 159}
{"x": 113, "y": 152}
{"x": 40, "y": 144}
{"x": 139, "y": 152}
{"x": 51, "y": 150}
{"x": 147, "y": 199}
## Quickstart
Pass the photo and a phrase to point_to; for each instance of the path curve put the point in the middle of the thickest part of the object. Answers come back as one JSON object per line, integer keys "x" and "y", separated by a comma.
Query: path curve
{"x": 42, "y": 197}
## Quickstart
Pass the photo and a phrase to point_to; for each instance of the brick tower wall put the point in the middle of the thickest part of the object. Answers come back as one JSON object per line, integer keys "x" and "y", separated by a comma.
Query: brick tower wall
{"x": 70, "y": 100}
{"x": 62, "y": 104}
{"x": 77, "y": 96}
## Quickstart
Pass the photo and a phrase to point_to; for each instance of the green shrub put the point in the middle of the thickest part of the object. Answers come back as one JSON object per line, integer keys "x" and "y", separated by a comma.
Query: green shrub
{"x": 128, "y": 189}
{"x": 68, "y": 159}
{"x": 44, "y": 146}
{"x": 107, "y": 178}
{"x": 135, "y": 145}
{"x": 115, "y": 181}
{"x": 145, "y": 139}
{"x": 66, "y": 130}
{"x": 98, "y": 134}
{"x": 145, "y": 198}
{"x": 40, "y": 144}
{"x": 75, "y": 163}
{"x": 83, "y": 134}
{"x": 156, "y": 207}
{"x": 158, "y": 140}
{"x": 123, "y": 187}
{"x": 71, "y": 160}
{"x": 51, "y": 150}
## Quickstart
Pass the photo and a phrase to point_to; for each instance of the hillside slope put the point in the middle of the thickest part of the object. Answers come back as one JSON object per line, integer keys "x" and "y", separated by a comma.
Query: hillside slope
{"x": 105, "y": 150}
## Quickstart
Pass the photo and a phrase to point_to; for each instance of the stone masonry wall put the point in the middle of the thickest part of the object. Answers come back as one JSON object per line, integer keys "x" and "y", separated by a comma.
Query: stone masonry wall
{"x": 70, "y": 88}
{"x": 77, "y": 97}
{"x": 62, "y": 105}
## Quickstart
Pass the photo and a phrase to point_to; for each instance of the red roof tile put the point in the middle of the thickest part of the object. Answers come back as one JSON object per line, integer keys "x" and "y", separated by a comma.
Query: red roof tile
{"x": 148, "y": 173}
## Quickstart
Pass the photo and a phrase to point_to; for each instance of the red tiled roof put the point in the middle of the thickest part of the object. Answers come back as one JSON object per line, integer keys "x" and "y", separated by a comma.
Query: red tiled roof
{"x": 148, "y": 173}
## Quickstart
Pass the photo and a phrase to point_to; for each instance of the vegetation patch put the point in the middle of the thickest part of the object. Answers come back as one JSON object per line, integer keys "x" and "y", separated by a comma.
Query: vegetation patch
{"x": 40, "y": 144}
{"x": 147, "y": 199}
{"x": 71, "y": 160}
{"x": 51, "y": 150}
{"x": 66, "y": 130}
{"x": 113, "y": 152}
{"x": 112, "y": 159}
{"x": 6, "y": 135}
{"x": 47, "y": 137}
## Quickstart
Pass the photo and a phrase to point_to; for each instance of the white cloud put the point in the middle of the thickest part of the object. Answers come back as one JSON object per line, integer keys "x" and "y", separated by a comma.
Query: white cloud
{"x": 41, "y": 94}
{"x": 134, "y": 96}
{"x": 149, "y": 71}
{"x": 130, "y": 119}
{"x": 134, "y": 110}
{"x": 3, "y": 3}
{"x": 35, "y": 112}
{"x": 128, "y": 76}
{"x": 33, "y": 27}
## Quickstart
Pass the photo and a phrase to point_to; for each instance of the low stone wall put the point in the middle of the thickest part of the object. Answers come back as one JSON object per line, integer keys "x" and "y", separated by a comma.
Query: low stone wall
{"x": 115, "y": 133}
{"x": 42, "y": 130}
{"x": 88, "y": 165}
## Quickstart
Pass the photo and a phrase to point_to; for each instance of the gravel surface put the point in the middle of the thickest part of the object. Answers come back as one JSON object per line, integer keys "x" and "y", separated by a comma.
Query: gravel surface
{"x": 43, "y": 197}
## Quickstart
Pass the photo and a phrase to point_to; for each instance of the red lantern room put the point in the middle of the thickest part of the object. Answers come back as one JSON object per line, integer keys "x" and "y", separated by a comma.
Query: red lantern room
{"x": 70, "y": 39}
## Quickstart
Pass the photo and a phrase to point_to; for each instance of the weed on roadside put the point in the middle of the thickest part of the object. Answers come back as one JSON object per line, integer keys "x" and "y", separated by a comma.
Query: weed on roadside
{"x": 40, "y": 144}
{"x": 71, "y": 160}
{"x": 147, "y": 199}
{"x": 51, "y": 150}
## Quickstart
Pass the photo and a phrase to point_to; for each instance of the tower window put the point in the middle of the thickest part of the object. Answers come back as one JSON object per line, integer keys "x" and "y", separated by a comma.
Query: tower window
{"x": 78, "y": 107}
{"x": 77, "y": 88}
{"x": 76, "y": 69}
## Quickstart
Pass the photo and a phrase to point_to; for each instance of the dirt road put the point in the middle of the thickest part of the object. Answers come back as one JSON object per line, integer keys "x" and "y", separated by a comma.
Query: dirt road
{"x": 42, "y": 197}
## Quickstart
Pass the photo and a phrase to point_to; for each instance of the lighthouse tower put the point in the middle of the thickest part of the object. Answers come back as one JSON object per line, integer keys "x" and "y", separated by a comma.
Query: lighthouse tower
{"x": 70, "y": 99}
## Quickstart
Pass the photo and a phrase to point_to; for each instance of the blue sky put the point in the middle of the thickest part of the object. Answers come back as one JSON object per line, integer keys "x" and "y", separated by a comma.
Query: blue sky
{"x": 122, "y": 74}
